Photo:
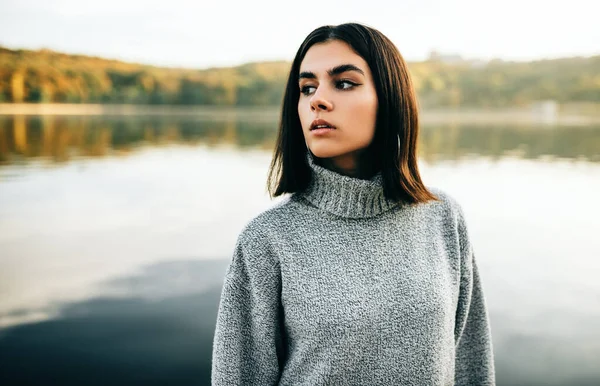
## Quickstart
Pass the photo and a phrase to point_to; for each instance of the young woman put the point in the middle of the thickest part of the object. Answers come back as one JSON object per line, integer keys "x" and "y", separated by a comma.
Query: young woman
{"x": 363, "y": 276}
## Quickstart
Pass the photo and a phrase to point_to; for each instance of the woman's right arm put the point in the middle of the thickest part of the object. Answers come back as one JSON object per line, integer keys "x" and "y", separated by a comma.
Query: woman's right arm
{"x": 247, "y": 347}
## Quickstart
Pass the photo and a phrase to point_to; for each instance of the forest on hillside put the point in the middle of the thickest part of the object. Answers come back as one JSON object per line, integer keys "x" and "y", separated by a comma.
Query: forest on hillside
{"x": 46, "y": 76}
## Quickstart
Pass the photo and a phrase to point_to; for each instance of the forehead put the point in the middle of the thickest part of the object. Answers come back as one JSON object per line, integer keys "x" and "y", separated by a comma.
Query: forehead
{"x": 323, "y": 56}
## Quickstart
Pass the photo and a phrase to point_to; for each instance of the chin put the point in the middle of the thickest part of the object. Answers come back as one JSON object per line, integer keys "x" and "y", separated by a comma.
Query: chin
{"x": 325, "y": 152}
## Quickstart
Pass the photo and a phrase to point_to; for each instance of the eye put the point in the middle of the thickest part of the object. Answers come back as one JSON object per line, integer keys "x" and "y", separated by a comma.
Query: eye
{"x": 307, "y": 90}
{"x": 344, "y": 84}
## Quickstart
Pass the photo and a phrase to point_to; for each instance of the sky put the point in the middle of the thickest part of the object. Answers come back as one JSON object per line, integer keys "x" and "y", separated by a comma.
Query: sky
{"x": 215, "y": 33}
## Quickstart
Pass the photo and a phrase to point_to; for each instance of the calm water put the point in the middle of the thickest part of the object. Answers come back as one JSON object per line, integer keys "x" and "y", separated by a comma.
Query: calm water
{"x": 115, "y": 234}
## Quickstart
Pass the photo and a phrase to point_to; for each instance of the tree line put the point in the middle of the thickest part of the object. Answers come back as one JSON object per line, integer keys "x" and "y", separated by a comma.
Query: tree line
{"x": 46, "y": 76}
{"x": 59, "y": 138}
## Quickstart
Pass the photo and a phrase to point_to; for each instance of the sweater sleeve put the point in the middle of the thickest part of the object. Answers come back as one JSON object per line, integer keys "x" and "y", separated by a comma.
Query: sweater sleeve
{"x": 473, "y": 341}
{"x": 247, "y": 346}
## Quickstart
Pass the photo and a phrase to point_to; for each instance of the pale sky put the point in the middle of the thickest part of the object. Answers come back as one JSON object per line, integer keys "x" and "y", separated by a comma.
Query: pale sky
{"x": 184, "y": 33}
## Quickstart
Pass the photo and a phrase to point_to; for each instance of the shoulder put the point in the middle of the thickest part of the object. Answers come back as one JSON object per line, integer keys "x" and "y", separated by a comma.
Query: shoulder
{"x": 256, "y": 248}
{"x": 452, "y": 214}
{"x": 265, "y": 225}
{"x": 445, "y": 201}
{"x": 446, "y": 207}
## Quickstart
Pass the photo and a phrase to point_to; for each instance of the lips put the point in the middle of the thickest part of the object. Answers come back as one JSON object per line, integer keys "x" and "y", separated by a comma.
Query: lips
{"x": 320, "y": 124}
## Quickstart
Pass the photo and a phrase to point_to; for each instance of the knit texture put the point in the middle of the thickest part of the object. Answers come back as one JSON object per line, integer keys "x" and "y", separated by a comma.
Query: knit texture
{"x": 340, "y": 286}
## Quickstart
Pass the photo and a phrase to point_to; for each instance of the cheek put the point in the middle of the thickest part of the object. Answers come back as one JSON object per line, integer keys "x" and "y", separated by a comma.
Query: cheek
{"x": 303, "y": 113}
{"x": 364, "y": 113}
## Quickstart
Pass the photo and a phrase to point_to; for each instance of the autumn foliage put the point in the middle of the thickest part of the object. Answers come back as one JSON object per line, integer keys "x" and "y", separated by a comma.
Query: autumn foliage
{"x": 50, "y": 77}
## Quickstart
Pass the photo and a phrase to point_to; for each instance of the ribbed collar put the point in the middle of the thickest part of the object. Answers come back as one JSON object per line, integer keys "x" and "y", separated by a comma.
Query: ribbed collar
{"x": 345, "y": 196}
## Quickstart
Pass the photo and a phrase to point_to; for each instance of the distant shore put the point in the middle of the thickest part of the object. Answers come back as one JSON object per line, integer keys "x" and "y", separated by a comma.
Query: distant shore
{"x": 269, "y": 113}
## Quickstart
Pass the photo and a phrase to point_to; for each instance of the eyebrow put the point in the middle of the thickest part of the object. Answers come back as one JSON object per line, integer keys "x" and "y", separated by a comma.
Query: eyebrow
{"x": 334, "y": 71}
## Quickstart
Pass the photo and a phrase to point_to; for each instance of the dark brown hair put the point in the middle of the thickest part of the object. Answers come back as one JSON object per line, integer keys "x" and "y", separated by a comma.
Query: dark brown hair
{"x": 394, "y": 147}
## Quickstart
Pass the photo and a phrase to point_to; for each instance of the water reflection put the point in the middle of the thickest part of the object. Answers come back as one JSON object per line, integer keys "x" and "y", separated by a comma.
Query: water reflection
{"x": 59, "y": 139}
{"x": 153, "y": 328}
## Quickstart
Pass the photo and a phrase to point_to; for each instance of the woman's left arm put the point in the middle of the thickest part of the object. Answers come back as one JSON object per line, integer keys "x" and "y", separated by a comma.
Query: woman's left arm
{"x": 474, "y": 364}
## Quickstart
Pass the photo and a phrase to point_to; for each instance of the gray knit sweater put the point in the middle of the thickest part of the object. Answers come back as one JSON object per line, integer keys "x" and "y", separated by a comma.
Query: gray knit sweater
{"x": 339, "y": 286}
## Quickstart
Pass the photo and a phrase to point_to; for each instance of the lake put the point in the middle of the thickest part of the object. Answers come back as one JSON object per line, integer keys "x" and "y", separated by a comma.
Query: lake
{"x": 115, "y": 232}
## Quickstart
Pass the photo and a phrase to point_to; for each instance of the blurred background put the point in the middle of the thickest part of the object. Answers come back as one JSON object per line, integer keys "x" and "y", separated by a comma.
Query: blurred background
{"x": 135, "y": 139}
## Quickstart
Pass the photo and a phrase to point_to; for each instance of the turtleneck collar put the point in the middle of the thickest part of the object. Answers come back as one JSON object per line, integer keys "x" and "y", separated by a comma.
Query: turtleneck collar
{"x": 345, "y": 196}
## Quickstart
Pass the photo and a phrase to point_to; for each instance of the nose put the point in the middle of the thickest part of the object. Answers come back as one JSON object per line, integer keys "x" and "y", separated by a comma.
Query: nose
{"x": 320, "y": 102}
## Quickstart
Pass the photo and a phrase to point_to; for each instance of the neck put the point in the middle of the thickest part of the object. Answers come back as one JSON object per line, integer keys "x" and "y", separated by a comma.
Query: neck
{"x": 352, "y": 165}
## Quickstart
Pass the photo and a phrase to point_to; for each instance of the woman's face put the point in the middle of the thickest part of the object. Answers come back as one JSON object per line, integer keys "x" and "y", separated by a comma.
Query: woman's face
{"x": 338, "y": 103}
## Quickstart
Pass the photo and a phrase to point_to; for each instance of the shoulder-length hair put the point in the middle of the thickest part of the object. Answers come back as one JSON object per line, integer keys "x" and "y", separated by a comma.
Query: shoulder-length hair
{"x": 393, "y": 150}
